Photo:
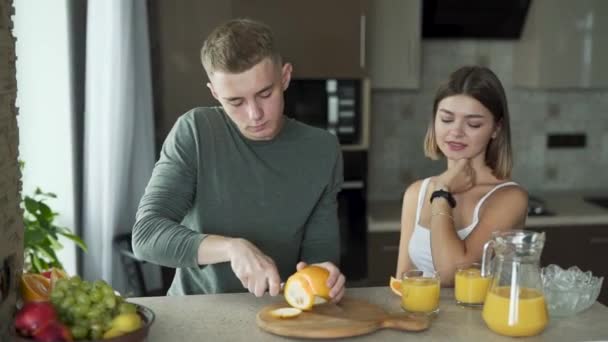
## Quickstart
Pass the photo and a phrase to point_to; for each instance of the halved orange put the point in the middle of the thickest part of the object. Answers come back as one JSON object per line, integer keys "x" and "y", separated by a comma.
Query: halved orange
{"x": 35, "y": 287}
{"x": 317, "y": 280}
{"x": 298, "y": 293}
{"x": 395, "y": 285}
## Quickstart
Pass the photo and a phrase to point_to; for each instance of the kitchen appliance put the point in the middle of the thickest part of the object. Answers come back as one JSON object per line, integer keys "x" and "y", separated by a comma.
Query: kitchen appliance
{"x": 480, "y": 19}
{"x": 599, "y": 201}
{"x": 331, "y": 104}
{"x": 352, "y": 214}
{"x": 537, "y": 207}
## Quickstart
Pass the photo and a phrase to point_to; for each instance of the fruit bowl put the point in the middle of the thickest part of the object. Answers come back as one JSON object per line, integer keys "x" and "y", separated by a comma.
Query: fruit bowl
{"x": 146, "y": 314}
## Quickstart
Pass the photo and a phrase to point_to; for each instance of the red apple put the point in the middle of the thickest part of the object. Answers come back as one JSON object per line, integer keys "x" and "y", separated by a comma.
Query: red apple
{"x": 34, "y": 316}
{"x": 53, "y": 332}
{"x": 47, "y": 274}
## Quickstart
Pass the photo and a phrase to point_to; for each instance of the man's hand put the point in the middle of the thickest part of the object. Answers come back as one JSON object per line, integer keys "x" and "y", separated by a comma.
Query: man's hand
{"x": 335, "y": 281}
{"x": 458, "y": 178}
{"x": 256, "y": 271}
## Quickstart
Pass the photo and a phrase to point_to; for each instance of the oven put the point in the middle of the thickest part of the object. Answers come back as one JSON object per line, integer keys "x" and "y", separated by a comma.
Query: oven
{"x": 331, "y": 104}
{"x": 352, "y": 214}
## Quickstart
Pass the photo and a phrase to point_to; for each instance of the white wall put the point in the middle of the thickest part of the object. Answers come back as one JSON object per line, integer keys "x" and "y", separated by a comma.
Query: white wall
{"x": 45, "y": 108}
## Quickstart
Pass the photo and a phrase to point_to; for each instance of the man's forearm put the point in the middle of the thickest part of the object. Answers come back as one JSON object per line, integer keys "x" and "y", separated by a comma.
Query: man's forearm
{"x": 162, "y": 241}
{"x": 214, "y": 249}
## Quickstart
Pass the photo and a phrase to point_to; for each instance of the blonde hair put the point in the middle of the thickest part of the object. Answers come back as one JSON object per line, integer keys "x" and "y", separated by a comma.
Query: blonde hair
{"x": 238, "y": 45}
{"x": 483, "y": 85}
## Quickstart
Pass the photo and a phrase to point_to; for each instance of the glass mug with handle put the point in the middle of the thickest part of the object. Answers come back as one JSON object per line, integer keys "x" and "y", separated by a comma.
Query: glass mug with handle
{"x": 420, "y": 291}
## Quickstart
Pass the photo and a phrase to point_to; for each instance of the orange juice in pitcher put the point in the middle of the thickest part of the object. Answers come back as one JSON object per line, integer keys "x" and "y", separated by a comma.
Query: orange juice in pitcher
{"x": 525, "y": 316}
{"x": 515, "y": 304}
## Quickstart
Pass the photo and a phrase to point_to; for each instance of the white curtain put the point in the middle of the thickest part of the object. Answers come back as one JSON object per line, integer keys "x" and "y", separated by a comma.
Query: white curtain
{"x": 118, "y": 137}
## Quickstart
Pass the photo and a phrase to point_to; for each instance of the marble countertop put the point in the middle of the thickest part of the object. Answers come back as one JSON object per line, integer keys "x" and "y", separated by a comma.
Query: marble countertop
{"x": 232, "y": 317}
{"x": 569, "y": 208}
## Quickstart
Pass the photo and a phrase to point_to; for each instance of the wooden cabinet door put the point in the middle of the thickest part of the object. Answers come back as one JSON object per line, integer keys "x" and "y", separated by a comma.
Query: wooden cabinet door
{"x": 178, "y": 30}
{"x": 322, "y": 39}
{"x": 563, "y": 45}
{"x": 394, "y": 37}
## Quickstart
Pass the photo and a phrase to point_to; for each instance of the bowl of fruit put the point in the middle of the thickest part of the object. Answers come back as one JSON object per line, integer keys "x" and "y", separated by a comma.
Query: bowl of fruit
{"x": 78, "y": 310}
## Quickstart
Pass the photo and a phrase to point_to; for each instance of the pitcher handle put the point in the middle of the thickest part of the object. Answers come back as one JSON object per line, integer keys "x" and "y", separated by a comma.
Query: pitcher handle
{"x": 488, "y": 248}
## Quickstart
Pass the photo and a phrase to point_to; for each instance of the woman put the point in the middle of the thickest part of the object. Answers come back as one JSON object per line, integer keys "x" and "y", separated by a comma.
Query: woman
{"x": 446, "y": 219}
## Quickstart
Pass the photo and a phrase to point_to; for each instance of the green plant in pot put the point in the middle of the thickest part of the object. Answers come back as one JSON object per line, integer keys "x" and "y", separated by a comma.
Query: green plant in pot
{"x": 41, "y": 238}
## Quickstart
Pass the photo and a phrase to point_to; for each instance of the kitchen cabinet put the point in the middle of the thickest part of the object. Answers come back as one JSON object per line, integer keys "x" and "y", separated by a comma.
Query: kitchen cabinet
{"x": 583, "y": 246}
{"x": 563, "y": 45}
{"x": 322, "y": 39}
{"x": 382, "y": 253}
{"x": 177, "y": 32}
{"x": 394, "y": 44}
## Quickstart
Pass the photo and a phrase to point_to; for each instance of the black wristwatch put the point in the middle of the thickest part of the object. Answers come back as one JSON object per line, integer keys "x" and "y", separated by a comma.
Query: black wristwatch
{"x": 445, "y": 194}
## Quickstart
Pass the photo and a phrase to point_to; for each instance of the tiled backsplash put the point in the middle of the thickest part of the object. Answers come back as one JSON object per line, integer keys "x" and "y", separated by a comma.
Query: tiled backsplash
{"x": 399, "y": 120}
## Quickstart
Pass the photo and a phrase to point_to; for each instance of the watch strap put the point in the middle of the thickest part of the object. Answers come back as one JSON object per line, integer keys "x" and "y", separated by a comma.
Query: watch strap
{"x": 444, "y": 194}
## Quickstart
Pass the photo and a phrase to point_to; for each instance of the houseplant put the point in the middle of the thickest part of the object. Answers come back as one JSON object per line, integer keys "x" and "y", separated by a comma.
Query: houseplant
{"x": 41, "y": 237}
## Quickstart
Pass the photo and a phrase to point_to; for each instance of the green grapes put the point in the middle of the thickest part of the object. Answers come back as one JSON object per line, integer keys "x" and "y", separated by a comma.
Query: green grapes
{"x": 87, "y": 308}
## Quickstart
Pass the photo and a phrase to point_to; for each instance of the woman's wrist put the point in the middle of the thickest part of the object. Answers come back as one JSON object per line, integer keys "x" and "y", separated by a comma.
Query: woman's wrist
{"x": 440, "y": 185}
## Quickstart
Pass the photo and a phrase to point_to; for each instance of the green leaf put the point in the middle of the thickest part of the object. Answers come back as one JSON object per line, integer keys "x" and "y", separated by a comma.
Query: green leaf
{"x": 31, "y": 205}
{"x": 45, "y": 194}
{"x": 55, "y": 244}
{"x": 36, "y": 263}
{"x": 76, "y": 240}
{"x": 32, "y": 237}
{"x": 46, "y": 212}
{"x": 46, "y": 251}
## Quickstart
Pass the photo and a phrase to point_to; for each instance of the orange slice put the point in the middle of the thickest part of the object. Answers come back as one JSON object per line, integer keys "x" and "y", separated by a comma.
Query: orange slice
{"x": 285, "y": 312}
{"x": 395, "y": 285}
{"x": 35, "y": 287}
{"x": 298, "y": 293}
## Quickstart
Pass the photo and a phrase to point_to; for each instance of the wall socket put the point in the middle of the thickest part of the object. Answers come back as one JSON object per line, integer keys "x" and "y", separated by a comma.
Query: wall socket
{"x": 566, "y": 140}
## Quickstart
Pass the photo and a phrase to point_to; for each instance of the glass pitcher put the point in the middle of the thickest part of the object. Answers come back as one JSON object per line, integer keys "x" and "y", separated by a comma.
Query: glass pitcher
{"x": 515, "y": 303}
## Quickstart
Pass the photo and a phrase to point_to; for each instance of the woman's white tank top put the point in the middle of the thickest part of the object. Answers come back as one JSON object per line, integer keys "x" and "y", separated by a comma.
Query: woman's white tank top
{"x": 420, "y": 243}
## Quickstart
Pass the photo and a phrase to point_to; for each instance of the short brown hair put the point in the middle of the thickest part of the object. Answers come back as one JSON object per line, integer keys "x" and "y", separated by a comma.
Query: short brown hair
{"x": 483, "y": 85}
{"x": 238, "y": 45}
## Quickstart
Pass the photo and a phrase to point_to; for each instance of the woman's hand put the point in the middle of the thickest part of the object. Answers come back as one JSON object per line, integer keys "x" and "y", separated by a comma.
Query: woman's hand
{"x": 459, "y": 177}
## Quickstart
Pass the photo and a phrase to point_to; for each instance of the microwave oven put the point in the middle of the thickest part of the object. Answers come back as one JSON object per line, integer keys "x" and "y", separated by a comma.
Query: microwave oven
{"x": 331, "y": 104}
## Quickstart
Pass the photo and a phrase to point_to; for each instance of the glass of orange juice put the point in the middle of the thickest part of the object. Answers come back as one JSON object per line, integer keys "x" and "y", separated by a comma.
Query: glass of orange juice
{"x": 420, "y": 291}
{"x": 470, "y": 288}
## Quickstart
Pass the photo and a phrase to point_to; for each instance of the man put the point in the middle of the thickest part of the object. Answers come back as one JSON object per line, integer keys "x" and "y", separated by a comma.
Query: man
{"x": 241, "y": 195}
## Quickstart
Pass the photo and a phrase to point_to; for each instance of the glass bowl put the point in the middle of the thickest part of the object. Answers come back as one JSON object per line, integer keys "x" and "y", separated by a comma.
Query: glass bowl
{"x": 568, "y": 292}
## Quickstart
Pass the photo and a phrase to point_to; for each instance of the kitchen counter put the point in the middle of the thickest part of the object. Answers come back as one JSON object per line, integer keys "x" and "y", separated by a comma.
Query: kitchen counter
{"x": 232, "y": 317}
{"x": 569, "y": 209}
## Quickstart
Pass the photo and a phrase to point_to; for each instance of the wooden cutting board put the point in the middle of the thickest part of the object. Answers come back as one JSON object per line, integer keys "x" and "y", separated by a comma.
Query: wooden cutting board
{"x": 352, "y": 317}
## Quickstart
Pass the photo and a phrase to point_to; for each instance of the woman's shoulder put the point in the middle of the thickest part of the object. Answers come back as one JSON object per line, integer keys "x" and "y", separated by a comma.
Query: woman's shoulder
{"x": 509, "y": 192}
{"x": 413, "y": 190}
